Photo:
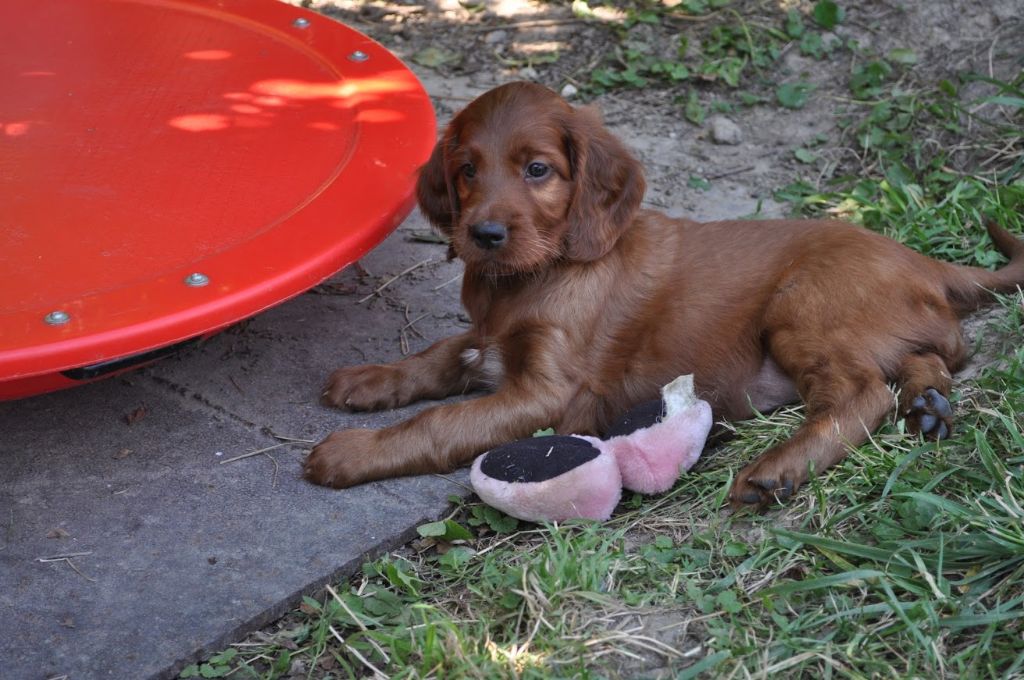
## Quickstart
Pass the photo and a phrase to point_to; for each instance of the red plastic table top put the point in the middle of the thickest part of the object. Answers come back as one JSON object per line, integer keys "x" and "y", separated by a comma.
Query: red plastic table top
{"x": 254, "y": 143}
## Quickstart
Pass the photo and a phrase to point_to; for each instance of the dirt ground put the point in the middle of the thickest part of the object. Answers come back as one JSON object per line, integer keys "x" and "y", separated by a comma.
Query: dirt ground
{"x": 459, "y": 49}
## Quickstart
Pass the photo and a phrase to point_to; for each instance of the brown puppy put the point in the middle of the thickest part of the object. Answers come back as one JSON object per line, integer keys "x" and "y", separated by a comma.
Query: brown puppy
{"x": 583, "y": 305}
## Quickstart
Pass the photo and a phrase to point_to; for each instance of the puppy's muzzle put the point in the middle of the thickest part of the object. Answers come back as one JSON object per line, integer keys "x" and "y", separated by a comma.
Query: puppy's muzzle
{"x": 489, "y": 235}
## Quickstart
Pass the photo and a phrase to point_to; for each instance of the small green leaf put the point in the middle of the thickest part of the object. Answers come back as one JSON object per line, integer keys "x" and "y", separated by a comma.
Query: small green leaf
{"x": 546, "y": 432}
{"x": 382, "y": 603}
{"x": 804, "y": 155}
{"x": 899, "y": 175}
{"x": 794, "y": 24}
{"x": 456, "y": 532}
{"x": 455, "y": 558}
{"x": 750, "y": 99}
{"x": 736, "y": 549}
{"x": 500, "y": 523}
{"x": 433, "y": 57}
{"x": 698, "y": 182}
{"x": 432, "y": 529}
{"x": 189, "y": 671}
{"x": 648, "y": 17}
{"x": 632, "y": 77}
{"x": 210, "y": 671}
{"x": 396, "y": 574}
{"x": 446, "y": 530}
{"x": 794, "y": 95}
{"x": 868, "y": 77}
{"x": 828, "y": 14}
{"x": 673, "y": 70}
{"x": 281, "y": 664}
{"x": 812, "y": 45}
{"x": 728, "y": 601}
{"x": 224, "y": 657}
{"x": 695, "y": 6}
{"x": 694, "y": 111}
{"x": 605, "y": 77}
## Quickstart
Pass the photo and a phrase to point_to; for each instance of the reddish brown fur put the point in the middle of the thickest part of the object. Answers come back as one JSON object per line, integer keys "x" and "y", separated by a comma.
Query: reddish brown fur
{"x": 593, "y": 304}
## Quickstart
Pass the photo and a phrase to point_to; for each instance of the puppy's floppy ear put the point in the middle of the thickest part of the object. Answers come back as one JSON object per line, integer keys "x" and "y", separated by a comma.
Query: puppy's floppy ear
{"x": 609, "y": 186}
{"x": 434, "y": 190}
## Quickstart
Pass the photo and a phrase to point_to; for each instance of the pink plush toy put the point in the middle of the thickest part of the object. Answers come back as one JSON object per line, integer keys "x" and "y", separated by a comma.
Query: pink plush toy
{"x": 564, "y": 477}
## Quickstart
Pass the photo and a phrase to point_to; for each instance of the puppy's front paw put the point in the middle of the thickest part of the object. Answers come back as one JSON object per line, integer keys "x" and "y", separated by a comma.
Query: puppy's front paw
{"x": 344, "y": 459}
{"x": 930, "y": 414}
{"x": 765, "y": 481}
{"x": 365, "y": 388}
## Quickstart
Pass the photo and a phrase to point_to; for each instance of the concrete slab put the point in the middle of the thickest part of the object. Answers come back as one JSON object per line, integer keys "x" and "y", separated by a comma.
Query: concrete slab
{"x": 171, "y": 553}
{"x": 270, "y": 373}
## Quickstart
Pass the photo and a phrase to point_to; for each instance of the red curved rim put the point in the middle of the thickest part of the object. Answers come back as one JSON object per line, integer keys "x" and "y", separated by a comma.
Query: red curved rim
{"x": 260, "y": 145}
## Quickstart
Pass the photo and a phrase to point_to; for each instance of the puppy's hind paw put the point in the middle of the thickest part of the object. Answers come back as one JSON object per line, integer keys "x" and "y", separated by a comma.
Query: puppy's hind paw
{"x": 930, "y": 414}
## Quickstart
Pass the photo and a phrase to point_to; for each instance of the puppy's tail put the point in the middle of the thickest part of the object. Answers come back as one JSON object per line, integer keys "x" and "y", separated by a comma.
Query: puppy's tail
{"x": 968, "y": 287}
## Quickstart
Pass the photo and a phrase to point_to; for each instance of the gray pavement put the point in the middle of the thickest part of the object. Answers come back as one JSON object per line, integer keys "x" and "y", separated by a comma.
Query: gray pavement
{"x": 172, "y": 552}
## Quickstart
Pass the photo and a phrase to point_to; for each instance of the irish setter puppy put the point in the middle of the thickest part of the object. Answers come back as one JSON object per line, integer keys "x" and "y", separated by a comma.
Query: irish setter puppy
{"x": 583, "y": 305}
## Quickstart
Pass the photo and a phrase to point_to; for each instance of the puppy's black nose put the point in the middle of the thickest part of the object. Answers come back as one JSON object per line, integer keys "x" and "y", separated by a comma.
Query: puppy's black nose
{"x": 489, "y": 235}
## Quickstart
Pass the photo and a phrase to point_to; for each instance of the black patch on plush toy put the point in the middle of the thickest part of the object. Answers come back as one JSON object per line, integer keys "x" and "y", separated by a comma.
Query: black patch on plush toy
{"x": 553, "y": 479}
{"x": 639, "y": 417}
{"x": 538, "y": 459}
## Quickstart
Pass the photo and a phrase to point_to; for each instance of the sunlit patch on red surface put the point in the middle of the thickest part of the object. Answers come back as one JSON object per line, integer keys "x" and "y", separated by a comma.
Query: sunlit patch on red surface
{"x": 200, "y": 122}
{"x": 15, "y": 129}
{"x": 270, "y": 101}
{"x": 208, "y": 55}
{"x": 379, "y": 116}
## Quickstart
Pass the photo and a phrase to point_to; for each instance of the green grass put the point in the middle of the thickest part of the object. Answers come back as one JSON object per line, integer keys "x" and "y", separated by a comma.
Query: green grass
{"x": 724, "y": 51}
{"x": 904, "y": 561}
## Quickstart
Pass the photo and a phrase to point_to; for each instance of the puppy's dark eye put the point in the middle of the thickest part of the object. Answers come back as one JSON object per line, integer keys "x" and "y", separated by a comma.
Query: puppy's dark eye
{"x": 537, "y": 170}
{"x": 468, "y": 171}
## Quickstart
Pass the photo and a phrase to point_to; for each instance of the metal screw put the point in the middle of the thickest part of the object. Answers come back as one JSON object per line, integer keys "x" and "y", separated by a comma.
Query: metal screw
{"x": 359, "y": 55}
{"x": 57, "y": 318}
{"x": 196, "y": 280}
{"x": 301, "y": 23}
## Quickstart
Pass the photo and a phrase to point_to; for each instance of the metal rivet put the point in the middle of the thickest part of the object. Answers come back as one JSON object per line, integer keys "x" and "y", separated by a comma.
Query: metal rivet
{"x": 301, "y": 23}
{"x": 57, "y": 318}
{"x": 359, "y": 55}
{"x": 196, "y": 280}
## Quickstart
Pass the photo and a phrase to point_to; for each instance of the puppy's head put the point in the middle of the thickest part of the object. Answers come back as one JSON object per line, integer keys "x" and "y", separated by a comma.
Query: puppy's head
{"x": 521, "y": 179}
